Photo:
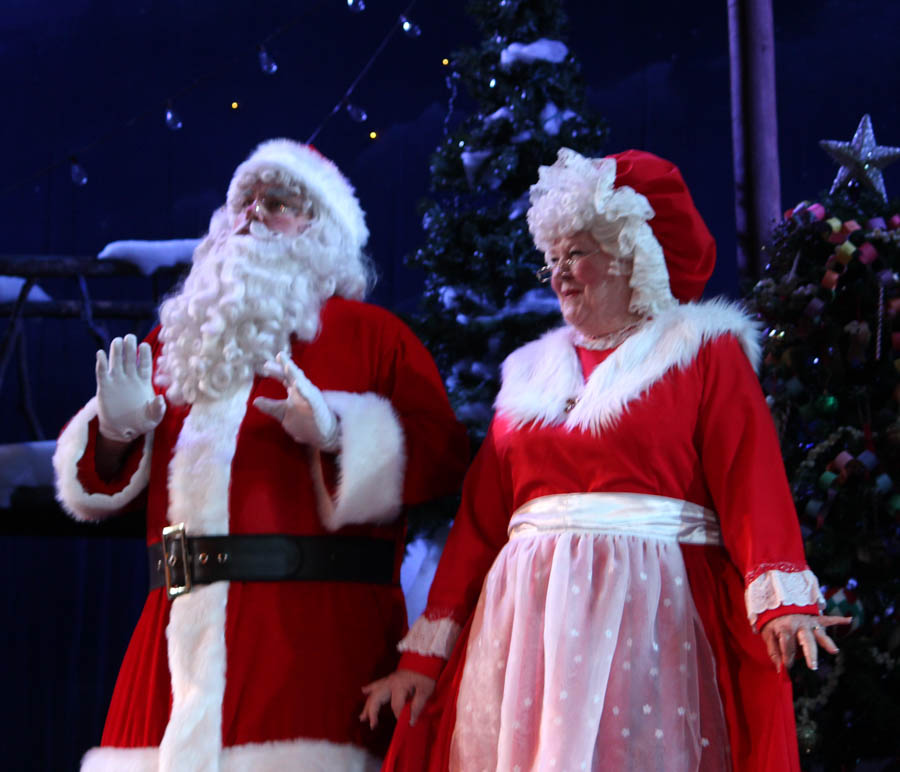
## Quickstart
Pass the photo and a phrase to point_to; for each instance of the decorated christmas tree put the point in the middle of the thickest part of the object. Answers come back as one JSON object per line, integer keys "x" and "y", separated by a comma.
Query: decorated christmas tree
{"x": 829, "y": 301}
{"x": 481, "y": 297}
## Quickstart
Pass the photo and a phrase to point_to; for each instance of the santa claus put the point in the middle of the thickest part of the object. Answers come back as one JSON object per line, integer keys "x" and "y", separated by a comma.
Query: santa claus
{"x": 274, "y": 426}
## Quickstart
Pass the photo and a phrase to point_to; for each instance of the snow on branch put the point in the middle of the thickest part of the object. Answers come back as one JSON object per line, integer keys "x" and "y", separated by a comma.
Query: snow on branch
{"x": 552, "y": 118}
{"x": 148, "y": 256}
{"x": 11, "y": 286}
{"x": 540, "y": 50}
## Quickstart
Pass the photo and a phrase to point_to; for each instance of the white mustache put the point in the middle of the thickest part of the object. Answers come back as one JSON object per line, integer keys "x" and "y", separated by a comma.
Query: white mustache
{"x": 261, "y": 231}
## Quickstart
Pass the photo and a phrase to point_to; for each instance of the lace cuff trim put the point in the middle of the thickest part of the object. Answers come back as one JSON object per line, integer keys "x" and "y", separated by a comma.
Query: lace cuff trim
{"x": 784, "y": 566}
{"x": 775, "y": 588}
{"x": 431, "y": 637}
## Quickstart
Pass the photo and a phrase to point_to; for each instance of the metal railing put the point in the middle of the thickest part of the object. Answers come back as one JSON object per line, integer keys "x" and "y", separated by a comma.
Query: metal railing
{"x": 83, "y": 307}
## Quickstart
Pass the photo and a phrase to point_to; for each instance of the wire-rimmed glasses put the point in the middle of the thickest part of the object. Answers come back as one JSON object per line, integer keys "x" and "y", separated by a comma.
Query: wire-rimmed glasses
{"x": 567, "y": 263}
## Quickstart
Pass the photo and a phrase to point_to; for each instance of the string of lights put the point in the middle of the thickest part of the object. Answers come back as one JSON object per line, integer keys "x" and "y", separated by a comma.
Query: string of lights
{"x": 267, "y": 64}
{"x": 411, "y": 30}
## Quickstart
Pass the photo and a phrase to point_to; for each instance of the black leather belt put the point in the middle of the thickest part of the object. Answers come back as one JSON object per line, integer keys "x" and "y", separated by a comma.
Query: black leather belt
{"x": 180, "y": 561}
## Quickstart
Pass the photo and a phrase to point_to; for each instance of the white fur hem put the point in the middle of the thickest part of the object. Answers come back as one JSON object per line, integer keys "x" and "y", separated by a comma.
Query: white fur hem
{"x": 305, "y": 755}
{"x": 431, "y": 637}
{"x": 71, "y": 493}
{"x": 542, "y": 377}
{"x": 781, "y": 588}
{"x": 372, "y": 461}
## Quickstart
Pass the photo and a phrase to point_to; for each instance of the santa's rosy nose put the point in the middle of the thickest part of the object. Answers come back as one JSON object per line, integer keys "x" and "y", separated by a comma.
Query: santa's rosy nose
{"x": 247, "y": 215}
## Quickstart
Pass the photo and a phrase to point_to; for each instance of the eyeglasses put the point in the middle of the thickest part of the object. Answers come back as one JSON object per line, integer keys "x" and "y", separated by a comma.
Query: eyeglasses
{"x": 274, "y": 204}
{"x": 567, "y": 263}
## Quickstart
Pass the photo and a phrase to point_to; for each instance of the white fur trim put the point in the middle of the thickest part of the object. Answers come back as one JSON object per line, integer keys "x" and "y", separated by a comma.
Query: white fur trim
{"x": 200, "y": 470}
{"x": 302, "y": 755}
{"x": 371, "y": 462}
{"x": 542, "y": 376}
{"x": 431, "y": 637}
{"x": 105, "y": 759}
{"x": 199, "y": 481}
{"x": 71, "y": 493}
{"x": 781, "y": 588}
{"x": 317, "y": 174}
{"x": 196, "y": 638}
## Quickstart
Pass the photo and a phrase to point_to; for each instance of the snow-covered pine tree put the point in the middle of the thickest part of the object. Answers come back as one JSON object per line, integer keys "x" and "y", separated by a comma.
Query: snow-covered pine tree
{"x": 481, "y": 298}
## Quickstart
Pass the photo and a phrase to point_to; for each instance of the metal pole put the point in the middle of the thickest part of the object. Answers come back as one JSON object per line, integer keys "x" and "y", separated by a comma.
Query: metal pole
{"x": 754, "y": 128}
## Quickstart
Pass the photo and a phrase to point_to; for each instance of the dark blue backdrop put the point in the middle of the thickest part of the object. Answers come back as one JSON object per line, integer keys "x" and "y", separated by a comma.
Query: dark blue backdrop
{"x": 92, "y": 76}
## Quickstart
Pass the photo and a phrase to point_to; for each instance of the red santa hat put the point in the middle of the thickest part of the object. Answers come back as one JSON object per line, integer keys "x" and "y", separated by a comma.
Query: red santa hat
{"x": 688, "y": 246}
{"x": 318, "y": 178}
{"x": 642, "y": 204}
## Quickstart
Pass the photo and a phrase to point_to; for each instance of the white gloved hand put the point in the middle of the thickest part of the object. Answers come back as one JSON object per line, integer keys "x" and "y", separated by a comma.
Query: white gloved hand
{"x": 304, "y": 414}
{"x": 127, "y": 406}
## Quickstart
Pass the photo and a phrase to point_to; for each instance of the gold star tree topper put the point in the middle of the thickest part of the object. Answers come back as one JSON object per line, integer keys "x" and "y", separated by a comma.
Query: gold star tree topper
{"x": 861, "y": 158}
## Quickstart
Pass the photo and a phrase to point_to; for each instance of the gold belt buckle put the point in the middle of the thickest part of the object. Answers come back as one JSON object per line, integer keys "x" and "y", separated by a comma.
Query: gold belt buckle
{"x": 175, "y": 551}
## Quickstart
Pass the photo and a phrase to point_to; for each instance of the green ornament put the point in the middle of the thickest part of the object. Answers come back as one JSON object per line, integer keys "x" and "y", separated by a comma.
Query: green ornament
{"x": 826, "y": 480}
{"x": 827, "y": 404}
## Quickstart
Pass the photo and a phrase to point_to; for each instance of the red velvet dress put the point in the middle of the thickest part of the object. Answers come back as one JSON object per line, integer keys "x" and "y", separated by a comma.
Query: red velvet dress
{"x": 694, "y": 426}
{"x": 267, "y": 675}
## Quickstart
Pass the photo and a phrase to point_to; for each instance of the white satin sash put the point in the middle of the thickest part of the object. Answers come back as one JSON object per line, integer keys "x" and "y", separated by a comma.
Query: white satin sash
{"x": 626, "y": 514}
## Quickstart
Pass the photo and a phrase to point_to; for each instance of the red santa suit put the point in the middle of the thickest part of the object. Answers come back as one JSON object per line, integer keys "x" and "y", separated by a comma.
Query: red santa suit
{"x": 673, "y": 420}
{"x": 267, "y": 675}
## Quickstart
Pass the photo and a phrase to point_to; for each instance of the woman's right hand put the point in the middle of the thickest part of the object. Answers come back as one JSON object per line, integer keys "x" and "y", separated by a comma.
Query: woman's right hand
{"x": 397, "y": 688}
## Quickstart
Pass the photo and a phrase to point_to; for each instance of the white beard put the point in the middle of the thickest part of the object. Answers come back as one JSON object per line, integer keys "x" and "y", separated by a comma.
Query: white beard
{"x": 244, "y": 298}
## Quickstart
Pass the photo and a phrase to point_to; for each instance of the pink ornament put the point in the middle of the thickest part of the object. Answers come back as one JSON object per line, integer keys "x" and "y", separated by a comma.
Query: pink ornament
{"x": 866, "y": 253}
{"x": 818, "y": 211}
{"x": 830, "y": 279}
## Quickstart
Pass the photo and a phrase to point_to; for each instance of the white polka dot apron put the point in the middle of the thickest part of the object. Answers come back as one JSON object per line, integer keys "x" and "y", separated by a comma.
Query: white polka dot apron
{"x": 586, "y": 650}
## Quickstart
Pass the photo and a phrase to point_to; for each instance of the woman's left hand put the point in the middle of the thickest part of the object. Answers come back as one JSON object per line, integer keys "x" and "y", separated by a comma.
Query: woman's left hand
{"x": 782, "y": 634}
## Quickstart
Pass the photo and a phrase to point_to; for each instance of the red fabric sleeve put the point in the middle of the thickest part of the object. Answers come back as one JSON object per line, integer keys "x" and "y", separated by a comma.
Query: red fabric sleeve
{"x": 437, "y": 445}
{"x": 477, "y": 535}
{"x": 421, "y": 663}
{"x": 742, "y": 464}
{"x": 87, "y": 466}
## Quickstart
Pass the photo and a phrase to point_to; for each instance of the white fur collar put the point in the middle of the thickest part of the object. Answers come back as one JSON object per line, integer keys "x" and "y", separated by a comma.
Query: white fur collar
{"x": 541, "y": 377}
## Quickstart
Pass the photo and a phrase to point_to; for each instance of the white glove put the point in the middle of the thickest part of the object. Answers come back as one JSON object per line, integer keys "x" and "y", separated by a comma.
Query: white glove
{"x": 127, "y": 406}
{"x": 304, "y": 414}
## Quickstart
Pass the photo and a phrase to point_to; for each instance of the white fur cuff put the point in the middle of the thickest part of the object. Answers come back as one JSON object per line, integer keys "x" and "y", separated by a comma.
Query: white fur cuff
{"x": 431, "y": 637}
{"x": 781, "y": 588}
{"x": 371, "y": 463}
{"x": 71, "y": 493}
